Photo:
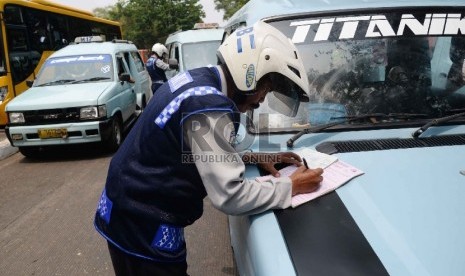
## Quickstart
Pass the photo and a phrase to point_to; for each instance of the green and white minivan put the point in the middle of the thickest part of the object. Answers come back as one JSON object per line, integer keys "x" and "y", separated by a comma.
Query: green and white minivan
{"x": 90, "y": 91}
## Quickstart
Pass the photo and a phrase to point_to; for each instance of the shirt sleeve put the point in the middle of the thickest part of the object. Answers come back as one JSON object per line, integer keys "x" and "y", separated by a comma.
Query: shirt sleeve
{"x": 222, "y": 170}
{"x": 161, "y": 64}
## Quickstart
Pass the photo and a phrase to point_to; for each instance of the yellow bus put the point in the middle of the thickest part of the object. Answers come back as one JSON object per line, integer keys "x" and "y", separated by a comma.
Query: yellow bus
{"x": 31, "y": 30}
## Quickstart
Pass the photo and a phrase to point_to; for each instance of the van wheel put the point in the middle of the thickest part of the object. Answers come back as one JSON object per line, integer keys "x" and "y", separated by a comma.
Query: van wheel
{"x": 116, "y": 135}
{"x": 30, "y": 152}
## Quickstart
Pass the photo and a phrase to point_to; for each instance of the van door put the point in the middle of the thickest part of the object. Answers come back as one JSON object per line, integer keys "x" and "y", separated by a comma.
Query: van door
{"x": 175, "y": 53}
{"x": 127, "y": 97}
{"x": 141, "y": 78}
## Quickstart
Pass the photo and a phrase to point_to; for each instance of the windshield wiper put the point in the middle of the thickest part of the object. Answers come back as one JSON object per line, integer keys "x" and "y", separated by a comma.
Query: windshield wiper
{"x": 345, "y": 119}
{"x": 434, "y": 122}
{"x": 92, "y": 79}
{"x": 405, "y": 115}
{"x": 56, "y": 81}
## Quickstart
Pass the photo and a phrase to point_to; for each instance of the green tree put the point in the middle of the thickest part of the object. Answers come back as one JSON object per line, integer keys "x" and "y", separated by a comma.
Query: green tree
{"x": 229, "y": 6}
{"x": 146, "y": 22}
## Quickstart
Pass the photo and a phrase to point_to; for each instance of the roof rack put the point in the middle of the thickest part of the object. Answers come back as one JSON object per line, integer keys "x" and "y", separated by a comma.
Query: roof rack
{"x": 88, "y": 39}
{"x": 202, "y": 25}
{"x": 122, "y": 41}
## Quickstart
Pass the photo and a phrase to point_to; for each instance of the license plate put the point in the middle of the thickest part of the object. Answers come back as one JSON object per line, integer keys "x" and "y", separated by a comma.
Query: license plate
{"x": 53, "y": 133}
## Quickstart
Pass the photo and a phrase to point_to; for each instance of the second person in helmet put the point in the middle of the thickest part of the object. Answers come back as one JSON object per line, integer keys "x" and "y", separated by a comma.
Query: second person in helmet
{"x": 182, "y": 149}
{"x": 156, "y": 65}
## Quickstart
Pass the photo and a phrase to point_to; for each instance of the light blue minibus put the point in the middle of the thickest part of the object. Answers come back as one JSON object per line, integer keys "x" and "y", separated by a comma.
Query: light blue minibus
{"x": 194, "y": 48}
{"x": 387, "y": 96}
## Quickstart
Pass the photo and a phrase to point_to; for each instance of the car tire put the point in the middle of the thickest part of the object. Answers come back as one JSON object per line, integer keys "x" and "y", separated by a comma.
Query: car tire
{"x": 29, "y": 152}
{"x": 116, "y": 135}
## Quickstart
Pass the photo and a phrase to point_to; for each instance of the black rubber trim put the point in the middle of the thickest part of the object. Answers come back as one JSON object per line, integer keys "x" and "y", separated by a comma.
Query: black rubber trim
{"x": 323, "y": 239}
{"x": 331, "y": 147}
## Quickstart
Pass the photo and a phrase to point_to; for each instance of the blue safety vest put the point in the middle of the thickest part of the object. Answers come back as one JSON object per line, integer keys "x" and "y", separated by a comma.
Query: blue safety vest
{"x": 151, "y": 193}
{"x": 157, "y": 75}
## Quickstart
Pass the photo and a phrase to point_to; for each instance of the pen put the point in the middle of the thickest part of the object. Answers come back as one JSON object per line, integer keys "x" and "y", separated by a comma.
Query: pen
{"x": 305, "y": 163}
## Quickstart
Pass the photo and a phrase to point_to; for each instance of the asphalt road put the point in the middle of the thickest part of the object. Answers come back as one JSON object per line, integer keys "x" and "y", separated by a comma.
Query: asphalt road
{"x": 46, "y": 214}
{"x": 6, "y": 149}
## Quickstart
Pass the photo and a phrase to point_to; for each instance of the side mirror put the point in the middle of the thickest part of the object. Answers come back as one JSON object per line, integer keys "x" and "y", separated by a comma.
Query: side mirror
{"x": 29, "y": 83}
{"x": 125, "y": 77}
{"x": 173, "y": 63}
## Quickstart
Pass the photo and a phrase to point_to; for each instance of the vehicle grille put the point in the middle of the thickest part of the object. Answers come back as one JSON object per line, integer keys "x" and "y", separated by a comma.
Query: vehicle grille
{"x": 386, "y": 144}
{"x": 52, "y": 116}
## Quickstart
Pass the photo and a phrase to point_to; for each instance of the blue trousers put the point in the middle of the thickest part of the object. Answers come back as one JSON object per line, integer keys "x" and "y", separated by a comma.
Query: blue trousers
{"x": 128, "y": 265}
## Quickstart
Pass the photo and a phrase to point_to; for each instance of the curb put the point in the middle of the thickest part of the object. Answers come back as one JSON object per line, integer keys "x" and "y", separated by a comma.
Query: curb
{"x": 6, "y": 149}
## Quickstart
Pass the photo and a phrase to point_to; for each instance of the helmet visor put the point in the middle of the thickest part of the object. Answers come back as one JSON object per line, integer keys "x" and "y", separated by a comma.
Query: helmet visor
{"x": 286, "y": 95}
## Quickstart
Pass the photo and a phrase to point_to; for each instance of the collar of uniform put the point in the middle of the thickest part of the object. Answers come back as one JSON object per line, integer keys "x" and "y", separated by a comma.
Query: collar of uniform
{"x": 224, "y": 87}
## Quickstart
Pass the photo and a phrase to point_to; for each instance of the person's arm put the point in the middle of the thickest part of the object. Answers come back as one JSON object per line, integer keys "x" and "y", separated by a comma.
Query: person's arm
{"x": 267, "y": 161}
{"x": 223, "y": 178}
{"x": 162, "y": 65}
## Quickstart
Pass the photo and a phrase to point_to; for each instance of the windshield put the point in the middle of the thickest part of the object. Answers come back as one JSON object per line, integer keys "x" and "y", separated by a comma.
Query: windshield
{"x": 75, "y": 69}
{"x": 199, "y": 54}
{"x": 2, "y": 59}
{"x": 408, "y": 62}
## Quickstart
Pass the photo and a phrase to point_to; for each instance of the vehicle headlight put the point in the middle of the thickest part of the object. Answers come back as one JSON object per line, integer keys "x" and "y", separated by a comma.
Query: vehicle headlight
{"x": 102, "y": 110}
{"x": 93, "y": 112}
{"x": 16, "y": 118}
{"x": 3, "y": 92}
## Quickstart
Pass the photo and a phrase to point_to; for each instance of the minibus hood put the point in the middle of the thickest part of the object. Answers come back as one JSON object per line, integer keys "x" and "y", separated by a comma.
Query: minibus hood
{"x": 59, "y": 96}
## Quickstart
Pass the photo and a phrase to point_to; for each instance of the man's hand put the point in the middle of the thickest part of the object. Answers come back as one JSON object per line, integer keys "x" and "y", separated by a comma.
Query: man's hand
{"x": 306, "y": 180}
{"x": 267, "y": 161}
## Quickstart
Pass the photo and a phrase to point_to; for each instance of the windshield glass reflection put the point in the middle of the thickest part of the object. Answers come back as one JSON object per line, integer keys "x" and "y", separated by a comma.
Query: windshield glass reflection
{"x": 75, "y": 69}
{"x": 356, "y": 69}
{"x": 200, "y": 54}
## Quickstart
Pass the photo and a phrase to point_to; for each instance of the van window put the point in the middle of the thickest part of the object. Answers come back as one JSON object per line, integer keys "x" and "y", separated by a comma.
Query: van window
{"x": 138, "y": 61}
{"x": 121, "y": 67}
{"x": 175, "y": 52}
{"x": 199, "y": 54}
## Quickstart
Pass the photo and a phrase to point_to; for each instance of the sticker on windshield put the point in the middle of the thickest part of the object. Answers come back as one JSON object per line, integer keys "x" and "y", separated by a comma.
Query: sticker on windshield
{"x": 377, "y": 26}
{"x": 79, "y": 59}
{"x": 105, "y": 69}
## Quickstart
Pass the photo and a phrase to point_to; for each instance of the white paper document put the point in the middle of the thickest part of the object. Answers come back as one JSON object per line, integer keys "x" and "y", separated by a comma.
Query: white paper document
{"x": 335, "y": 174}
{"x": 316, "y": 159}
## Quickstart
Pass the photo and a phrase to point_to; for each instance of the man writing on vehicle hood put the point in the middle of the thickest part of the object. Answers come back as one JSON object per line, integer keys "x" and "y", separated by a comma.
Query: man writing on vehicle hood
{"x": 180, "y": 151}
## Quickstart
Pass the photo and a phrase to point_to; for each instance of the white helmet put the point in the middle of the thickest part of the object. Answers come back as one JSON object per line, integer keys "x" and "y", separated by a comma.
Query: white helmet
{"x": 159, "y": 49}
{"x": 251, "y": 53}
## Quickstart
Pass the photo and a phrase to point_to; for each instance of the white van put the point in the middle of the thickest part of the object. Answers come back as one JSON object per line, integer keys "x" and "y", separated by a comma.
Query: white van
{"x": 194, "y": 48}
{"x": 387, "y": 96}
{"x": 91, "y": 91}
